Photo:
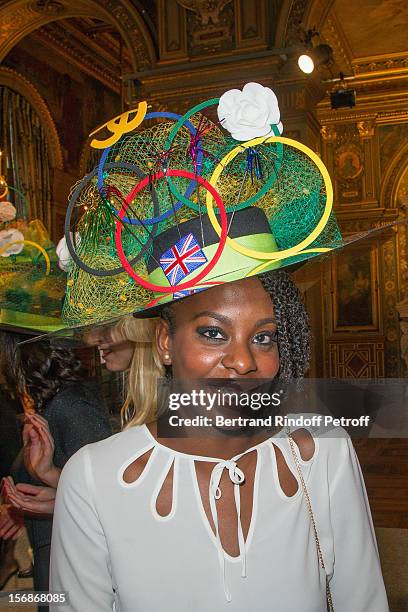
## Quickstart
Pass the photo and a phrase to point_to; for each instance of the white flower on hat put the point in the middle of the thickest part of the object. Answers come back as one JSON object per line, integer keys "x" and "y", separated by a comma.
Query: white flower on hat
{"x": 249, "y": 113}
{"x": 63, "y": 253}
{"x": 7, "y": 211}
{"x": 9, "y": 236}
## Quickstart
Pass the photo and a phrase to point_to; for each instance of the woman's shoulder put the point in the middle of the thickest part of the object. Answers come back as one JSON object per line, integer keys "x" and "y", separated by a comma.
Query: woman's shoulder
{"x": 315, "y": 437}
{"x": 112, "y": 450}
{"x": 71, "y": 391}
{"x": 73, "y": 400}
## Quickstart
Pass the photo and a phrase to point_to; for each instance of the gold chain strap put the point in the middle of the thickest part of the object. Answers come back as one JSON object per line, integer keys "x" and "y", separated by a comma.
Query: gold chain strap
{"x": 329, "y": 600}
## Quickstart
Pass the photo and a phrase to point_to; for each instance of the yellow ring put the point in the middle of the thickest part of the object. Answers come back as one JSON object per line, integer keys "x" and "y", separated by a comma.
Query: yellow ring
{"x": 317, "y": 230}
{"x": 34, "y": 244}
{"x": 5, "y": 192}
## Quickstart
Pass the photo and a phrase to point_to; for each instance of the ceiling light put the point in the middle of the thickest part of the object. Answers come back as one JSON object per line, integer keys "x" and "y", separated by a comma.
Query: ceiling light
{"x": 321, "y": 55}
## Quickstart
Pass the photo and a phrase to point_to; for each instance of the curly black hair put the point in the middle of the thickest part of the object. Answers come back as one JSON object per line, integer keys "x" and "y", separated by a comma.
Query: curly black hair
{"x": 292, "y": 324}
{"x": 38, "y": 369}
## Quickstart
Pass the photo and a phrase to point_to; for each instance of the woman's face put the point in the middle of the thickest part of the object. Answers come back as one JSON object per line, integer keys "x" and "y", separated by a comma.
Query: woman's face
{"x": 116, "y": 355}
{"x": 225, "y": 332}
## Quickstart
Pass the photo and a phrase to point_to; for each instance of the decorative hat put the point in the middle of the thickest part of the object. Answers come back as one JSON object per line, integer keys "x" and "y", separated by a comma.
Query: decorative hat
{"x": 32, "y": 287}
{"x": 179, "y": 204}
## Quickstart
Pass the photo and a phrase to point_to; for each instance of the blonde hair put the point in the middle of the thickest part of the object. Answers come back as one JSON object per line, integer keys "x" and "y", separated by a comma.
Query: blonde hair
{"x": 145, "y": 369}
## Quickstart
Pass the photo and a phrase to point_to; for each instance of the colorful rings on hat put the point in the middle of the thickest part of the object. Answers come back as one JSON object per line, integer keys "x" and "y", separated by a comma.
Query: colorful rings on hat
{"x": 207, "y": 268}
{"x": 298, "y": 248}
{"x": 180, "y": 202}
{"x": 264, "y": 189}
{"x": 72, "y": 202}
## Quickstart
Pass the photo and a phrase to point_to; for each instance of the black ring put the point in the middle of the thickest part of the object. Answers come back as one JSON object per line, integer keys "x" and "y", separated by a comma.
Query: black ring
{"x": 72, "y": 202}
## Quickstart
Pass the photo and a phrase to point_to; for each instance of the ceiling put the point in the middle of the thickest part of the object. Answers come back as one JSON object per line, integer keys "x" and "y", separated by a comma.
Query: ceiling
{"x": 373, "y": 27}
{"x": 361, "y": 29}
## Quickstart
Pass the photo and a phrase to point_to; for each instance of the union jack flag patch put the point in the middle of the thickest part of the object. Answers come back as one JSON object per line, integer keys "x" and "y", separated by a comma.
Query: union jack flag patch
{"x": 186, "y": 292}
{"x": 182, "y": 258}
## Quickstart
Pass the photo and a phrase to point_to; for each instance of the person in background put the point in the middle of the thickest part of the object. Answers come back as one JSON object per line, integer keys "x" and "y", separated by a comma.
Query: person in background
{"x": 116, "y": 345}
{"x": 10, "y": 444}
{"x": 129, "y": 347}
{"x": 68, "y": 415}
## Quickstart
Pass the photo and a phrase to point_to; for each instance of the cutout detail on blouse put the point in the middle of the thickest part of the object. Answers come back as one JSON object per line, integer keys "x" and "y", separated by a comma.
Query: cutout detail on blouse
{"x": 135, "y": 469}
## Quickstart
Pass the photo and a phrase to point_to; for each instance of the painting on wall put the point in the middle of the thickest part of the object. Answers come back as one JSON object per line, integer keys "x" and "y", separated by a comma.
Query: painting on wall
{"x": 355, "y": 290}
{"x": 349, "y": 163}
{"x": 349, "y": 168}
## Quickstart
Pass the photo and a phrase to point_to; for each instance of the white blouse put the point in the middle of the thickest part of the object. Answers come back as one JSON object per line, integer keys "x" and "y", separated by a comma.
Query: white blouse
{"x": 111, "y": 550}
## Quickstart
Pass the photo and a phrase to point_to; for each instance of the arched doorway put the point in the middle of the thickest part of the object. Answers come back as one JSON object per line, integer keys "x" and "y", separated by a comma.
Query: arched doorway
{"x": 20, "y": 17}
{"x": 65, "y": 58}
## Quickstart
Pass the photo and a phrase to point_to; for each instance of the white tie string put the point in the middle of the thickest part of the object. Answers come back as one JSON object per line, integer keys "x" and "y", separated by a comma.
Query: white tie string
{"x": 237, "y": 477}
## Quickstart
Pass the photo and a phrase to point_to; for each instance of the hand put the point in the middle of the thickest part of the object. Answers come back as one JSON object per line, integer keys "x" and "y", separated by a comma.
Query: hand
{"x": 31, "y": 499}
{"x": 39, "y": 450}
{"x": 11, "y": 522}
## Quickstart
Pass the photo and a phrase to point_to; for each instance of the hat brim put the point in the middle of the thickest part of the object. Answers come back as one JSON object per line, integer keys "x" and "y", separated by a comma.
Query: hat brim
{"x": 290, "y": 264}
{"x": 76, "y": 335}
{"x": 29, "y": 323}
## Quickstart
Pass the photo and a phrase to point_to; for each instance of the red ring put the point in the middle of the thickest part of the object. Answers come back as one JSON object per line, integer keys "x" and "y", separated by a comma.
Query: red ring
{"x": 223, "y": 237}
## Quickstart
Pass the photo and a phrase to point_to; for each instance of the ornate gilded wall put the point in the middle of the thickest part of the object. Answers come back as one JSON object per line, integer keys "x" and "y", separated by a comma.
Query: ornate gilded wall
{"x": 366, "y": 152}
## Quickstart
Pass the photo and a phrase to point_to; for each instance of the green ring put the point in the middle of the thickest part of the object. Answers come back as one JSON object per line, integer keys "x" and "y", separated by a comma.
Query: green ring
{"x": 250, "y": 201}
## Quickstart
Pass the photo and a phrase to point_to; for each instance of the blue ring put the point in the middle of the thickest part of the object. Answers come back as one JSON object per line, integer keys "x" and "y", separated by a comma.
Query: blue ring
{"x": 190, "y": 188}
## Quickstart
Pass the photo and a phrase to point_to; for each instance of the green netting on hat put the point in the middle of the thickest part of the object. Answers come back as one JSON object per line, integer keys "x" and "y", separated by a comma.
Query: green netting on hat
{"x": 150, "y": 151}
{"x": 296, "y": 201}
{"x": 95, "y": 222}
{"x": 92, "y": 299}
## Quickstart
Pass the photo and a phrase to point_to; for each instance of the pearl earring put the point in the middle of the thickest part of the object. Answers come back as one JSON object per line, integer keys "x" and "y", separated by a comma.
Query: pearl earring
{"x": 166, "y": 357}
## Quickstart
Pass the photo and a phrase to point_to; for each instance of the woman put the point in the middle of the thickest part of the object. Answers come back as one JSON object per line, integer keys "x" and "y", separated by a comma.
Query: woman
{"x": 152, "y": 522}
{"x": 70, "y": 415}
{"x": 137, "y": 523}
{"x": 117, "y": 349}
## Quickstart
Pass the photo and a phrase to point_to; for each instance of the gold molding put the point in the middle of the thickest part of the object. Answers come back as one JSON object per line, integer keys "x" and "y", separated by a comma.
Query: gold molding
{"x": 341, "y": 351}
{"x": 12, "y": 79}
{"x": 381, "y": 65}
{"x": 99, "y": 68}
{"x": 328, "y": 116}
{"x": 317, "y": 13}
{"x": 18, "y": 18}
{"x": 395, "y": 169}
{"x": 196, "y": 81}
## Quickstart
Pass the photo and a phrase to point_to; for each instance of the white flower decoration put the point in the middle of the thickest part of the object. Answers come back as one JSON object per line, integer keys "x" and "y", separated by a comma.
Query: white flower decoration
{"x": 8, "y": 236}
{"x": 249, "y": 113}
{"x": 63, "y": 253}
{"x": 7, "y": 211}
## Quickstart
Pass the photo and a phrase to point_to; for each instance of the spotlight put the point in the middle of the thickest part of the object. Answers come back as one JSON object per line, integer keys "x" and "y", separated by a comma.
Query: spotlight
{"x": 315, "y": 57}
{"x": 306, "y": 64}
